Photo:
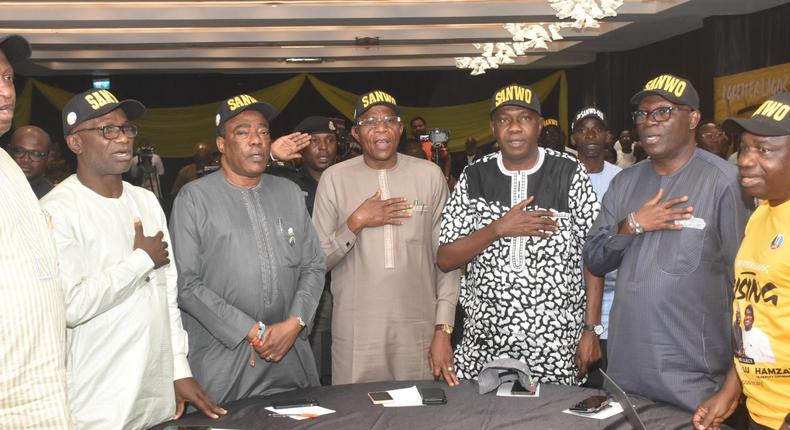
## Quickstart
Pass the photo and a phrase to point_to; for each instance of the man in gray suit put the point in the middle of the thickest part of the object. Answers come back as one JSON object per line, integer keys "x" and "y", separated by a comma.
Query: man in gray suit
{"x": 671, "y": 225}
{"x": 250, "y": 268}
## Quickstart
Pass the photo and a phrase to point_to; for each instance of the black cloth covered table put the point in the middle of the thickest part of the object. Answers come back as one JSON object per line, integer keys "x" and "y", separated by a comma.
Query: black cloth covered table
{"x": 465, "y": 409}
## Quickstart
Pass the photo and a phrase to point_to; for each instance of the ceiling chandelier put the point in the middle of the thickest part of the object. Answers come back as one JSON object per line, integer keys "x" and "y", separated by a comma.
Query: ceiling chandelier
{"x": 582, "y": 14}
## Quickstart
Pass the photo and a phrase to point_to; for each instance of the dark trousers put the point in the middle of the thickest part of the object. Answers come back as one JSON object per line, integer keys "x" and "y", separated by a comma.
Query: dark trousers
{"x": 321, "y": 336}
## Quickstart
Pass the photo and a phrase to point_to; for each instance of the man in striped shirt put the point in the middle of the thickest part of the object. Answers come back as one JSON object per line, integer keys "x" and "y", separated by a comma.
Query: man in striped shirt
{"x": 32, "y": 314}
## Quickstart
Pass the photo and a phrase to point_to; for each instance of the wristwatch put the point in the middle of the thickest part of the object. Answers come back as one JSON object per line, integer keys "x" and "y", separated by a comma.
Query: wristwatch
{"x": 447, "y": 328}
{"x": 595, "y": 328}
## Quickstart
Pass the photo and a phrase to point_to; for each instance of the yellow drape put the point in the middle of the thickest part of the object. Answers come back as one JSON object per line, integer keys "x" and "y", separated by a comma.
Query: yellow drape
{"x": 173, "y": 131}
{"x": 463, "y": 121}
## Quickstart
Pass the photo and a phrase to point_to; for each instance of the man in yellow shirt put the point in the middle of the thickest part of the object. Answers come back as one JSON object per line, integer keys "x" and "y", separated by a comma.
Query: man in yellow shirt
{"x": 762, "y": 276}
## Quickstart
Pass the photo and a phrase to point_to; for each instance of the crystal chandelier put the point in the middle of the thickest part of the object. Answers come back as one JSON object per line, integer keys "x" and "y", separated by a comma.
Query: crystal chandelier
{"x": 582, "y": 13}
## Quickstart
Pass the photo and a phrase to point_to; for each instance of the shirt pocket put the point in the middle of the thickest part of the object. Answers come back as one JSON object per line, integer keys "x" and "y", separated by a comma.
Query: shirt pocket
{"x": 288, "y": 239}
{"x": 679, "y": 252}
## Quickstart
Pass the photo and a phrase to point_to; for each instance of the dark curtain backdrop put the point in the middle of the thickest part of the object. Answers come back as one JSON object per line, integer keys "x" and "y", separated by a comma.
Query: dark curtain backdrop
{"x": 723, "y": 46}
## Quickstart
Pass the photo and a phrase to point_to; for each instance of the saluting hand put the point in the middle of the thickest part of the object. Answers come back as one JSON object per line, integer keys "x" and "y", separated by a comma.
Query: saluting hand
{"x": 520, "y": 222}
{"x": 154, "y": 246}
{"x": 655, "y": 215}
{"x": 288, "y": 147}
{"x": 375, "y": 212}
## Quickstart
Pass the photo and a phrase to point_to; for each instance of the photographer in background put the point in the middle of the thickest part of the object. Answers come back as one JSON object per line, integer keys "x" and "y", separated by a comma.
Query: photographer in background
{"x": 147, "y": 168}
{"x": 433, "y": 143}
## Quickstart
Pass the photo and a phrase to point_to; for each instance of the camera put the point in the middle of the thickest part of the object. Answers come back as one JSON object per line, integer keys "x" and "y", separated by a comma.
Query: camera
{"x": 438, "y": 138}
{"x": 145, "y": 156}
{"x": 339, "y": 128}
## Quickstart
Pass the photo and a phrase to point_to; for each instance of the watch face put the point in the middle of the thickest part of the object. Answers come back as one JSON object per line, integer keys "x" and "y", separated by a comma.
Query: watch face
{"x": 598, "y": 329}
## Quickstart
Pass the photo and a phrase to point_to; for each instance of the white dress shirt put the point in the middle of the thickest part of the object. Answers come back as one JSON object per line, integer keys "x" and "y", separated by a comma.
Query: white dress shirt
{"x": 125, "y": 342}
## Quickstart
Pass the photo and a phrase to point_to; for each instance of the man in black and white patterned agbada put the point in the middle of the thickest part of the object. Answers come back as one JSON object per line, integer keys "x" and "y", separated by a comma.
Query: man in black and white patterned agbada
{"x": 517, "y": 220}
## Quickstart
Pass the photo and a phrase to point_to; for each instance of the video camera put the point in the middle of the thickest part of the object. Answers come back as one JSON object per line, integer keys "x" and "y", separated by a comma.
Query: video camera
{"x": 438, "y": 138}
{"x": 145, "y": 156}
{"x": 341, "y": 133}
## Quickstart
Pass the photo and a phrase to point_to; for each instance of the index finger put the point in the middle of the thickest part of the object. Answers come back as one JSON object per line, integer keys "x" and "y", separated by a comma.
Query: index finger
{"x": 138, "y": 227}
{"x": 205, "y": 405}
{"x": 541, "y": 213}
{"x": 677, "y": 200}
{"x": 450, "y": 376}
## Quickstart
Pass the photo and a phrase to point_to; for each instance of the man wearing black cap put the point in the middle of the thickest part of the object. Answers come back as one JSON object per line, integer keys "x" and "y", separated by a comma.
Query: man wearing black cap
{"x": 378, "y": 220}
{"x": 317, "y": 157}
{"x": 32, "y": 313}
{"x": 671, "y": 225}
{"x": 127, "y": 364}
{"x": 250, "y": 269}
{"x": 590, "y": 134}
{"x": 762, "y": 273}
{"x": 516, "y": 220}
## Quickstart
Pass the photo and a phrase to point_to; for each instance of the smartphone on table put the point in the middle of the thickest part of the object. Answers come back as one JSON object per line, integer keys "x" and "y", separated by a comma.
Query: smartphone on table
{"x": 379, "y": 397}
{"x": 433, "y": 396}
{"x": 592, "y": 404}
{"x": 294, "y": 403}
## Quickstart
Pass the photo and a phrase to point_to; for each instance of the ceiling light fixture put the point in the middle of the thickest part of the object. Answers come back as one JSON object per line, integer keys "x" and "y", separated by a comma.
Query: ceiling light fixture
{"x": 582, "y": 13}
{"x": 302, "y": 60}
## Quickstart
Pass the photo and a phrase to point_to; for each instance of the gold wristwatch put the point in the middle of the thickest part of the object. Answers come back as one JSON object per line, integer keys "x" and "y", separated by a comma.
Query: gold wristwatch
{"x": 447, "y": 328}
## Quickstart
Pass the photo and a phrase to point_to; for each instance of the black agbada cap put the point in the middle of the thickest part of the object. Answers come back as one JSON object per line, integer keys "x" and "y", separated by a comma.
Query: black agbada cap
{"x": 374, "y": 98}
{"x": 315, "y": 124}
{"x": 589, "y": 112}
{"x": 238, "y": 104}
{"x": 95, "y": 103}
{"x": 772, "y": 118}
{"x": 515, "y": 95}
{"x": 675, "y": 89}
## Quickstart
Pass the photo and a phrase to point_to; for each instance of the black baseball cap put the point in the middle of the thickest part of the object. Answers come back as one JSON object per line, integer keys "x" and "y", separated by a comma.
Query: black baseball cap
{"x": 589, "y": 112}
{"x": 15, "y": 47}
{"x": 316, "y": 124}
{"x": 238, "y": 104}
{"x": 675, "y": 89}
{"x": 95, "y": 103}
{"x": 515, "y": 95}
{"x": 772, "y": 118}
{"x": 374, "y": 98}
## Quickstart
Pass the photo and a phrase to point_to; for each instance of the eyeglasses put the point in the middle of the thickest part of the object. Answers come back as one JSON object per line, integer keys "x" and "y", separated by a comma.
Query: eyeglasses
{"x": 374, "y": 121}
{"x": 113, "y": 131}
{"x": 658, "y": 114}
{"x": 19, "y": 153}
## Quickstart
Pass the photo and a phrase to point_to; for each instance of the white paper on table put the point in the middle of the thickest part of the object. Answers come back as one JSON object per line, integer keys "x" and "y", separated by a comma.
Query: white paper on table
{"x": 613, "y": 409}
{"x": 296, "y": 413}
{"x": 505, "y": 390}
{"x": 404, "y": 397}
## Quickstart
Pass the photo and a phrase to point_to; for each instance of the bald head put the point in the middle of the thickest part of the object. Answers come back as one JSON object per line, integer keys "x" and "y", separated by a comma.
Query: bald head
{"x": 202, "y": 154}
{"x": 30, "y": 147}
